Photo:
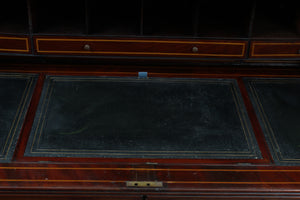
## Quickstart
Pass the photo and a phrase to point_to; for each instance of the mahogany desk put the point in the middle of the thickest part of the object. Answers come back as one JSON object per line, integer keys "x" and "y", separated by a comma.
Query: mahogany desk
{"x": 149, "y": 99}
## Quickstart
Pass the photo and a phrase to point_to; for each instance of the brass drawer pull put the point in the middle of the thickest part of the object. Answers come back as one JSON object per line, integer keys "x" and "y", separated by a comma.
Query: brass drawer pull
{"x": 87, "y": 47}
{"x": 195, "y": 49}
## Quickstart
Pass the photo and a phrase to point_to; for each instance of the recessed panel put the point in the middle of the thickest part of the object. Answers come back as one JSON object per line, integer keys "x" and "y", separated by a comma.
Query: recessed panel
{"x": 276, "y": 102}
{"x": 15, "y": 94}
{"x": 141, "y": 118}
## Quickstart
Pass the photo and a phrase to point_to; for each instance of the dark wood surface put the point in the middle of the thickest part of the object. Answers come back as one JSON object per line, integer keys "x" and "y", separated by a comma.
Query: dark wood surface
{"x": 275, "y": 49}
{"x": 141, "y": 47}
{"x": 221, "y": 33}
{"x": 14, "y": 44}
{"x": 56, "y": 178}
{"x": 267, "y": 37}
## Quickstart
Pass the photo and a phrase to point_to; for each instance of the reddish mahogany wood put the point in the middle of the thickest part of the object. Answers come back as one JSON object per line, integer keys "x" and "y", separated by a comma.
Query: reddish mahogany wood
{"x": 214, "y": 196}
{"x": 141, "y": 197}
{"x": 14, "y": 44}
{"x": 197, "y": 74}
{"x": 144, "y": 197}
{"x": 275, "y": 49}
{"x": 71, "y": 178}
{"x": 30, "y": 117}
{"x": 21, "y": 145}
{"x": 255, "y": 124}
{"x": 194, "y": 180}
{"x": 70, "y": 197}
{"x": 198, "y": 71}
{"x": 94, "y": 178}
{"x": 141, "y": 47}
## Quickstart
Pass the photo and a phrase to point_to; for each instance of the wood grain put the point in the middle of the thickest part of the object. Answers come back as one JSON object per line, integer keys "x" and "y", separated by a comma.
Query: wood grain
{"x": 141, "y": 47}
{"x": 74, "y": 178}
{"x": 14, "y": 44}
{"x": 275, "y": 49}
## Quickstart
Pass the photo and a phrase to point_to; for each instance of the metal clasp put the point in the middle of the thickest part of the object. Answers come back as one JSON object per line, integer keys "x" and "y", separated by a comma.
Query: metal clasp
{"x": 147, "y": 184}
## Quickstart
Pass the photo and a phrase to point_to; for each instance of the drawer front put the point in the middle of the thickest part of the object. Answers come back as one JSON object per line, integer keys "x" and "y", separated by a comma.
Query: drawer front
{"x": 14, "y": 44}
{"x": 275, "y": 50}
{"x": 123, "y": 47}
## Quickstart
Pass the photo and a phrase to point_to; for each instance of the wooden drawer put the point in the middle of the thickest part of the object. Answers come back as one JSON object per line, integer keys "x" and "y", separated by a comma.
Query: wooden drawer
{"x": 275, "y": 49}
{"x": 11, "y": 44}
{"x": 127, "y": 47}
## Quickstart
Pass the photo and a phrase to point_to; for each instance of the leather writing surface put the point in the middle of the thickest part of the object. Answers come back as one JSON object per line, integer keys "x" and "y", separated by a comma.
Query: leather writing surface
{"x": 141, "y": 118}
{"x": 15, "y": 94}
{"x": 277, "y": 104}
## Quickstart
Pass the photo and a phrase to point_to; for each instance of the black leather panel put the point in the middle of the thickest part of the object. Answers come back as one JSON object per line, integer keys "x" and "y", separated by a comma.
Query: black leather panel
{"x": 15, "y": 94}
{"x": 277, "y": 104}
{"x": 141, "y": 118}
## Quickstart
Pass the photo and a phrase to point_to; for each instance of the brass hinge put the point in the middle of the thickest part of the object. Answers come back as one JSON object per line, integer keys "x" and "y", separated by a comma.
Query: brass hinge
{"x": 148, "y": 184}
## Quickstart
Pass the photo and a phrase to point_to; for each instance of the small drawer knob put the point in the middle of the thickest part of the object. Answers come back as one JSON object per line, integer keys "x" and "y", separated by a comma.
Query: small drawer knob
{"x": 87, "y": 47}
{"x": 195, "y": 49}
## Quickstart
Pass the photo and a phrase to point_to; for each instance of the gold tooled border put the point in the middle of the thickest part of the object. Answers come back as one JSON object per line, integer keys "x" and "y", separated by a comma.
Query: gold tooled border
{"x": 275, "y": 55}
{"x": 41, "y": 120}
{"x": 243, "y": 44}
{"x": 16, "y": 38}
{"x": 20, "y": 111}
{"x": 269, "y": 130}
